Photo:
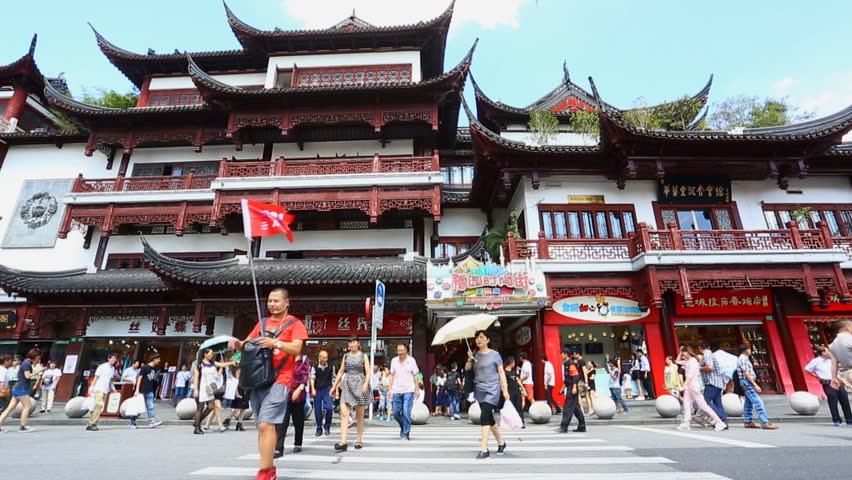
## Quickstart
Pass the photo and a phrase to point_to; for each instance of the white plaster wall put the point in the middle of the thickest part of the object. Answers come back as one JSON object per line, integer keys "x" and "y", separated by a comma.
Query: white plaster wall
{"x": 408, "y": 57}
{"x": 750, "y": 196}
{"x": 462, "y": 222}
{"x": 342, "y": 240}
{"x": 363, "y": 148}
{"x": 556, "y": 189}
{"x": 32, "y": 162}
{"x": 184, "y": 82}
{"x": 202, "y": 242}
{"x": 187, "y": 154}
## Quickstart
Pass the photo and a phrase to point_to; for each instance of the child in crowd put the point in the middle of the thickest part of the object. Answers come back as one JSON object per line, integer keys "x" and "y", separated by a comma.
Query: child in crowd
{"x": 626, "y": 386}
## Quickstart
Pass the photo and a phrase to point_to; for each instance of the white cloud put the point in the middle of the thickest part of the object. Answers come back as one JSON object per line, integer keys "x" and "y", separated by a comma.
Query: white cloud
{"x": 488, "y": 14}
{"x": 784, "y": 84}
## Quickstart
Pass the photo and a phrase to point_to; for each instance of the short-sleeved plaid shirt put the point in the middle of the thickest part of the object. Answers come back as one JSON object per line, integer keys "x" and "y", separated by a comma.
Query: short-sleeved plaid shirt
{"x": 713, "y": 377}
{"x": 744, "y": 366}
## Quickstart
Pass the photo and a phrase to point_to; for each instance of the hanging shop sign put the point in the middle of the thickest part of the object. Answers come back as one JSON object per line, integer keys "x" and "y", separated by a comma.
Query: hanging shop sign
{"x": 485, "y": 285}
{"x": 699, "y": 189}
{"x": 145, "y": 327}
{"x": 346, "y": 324}
{"x": 8, "y": 319}
{"x": 523, "y": 336}
{"x": 834, "y": 305}
{"x": 600, "y": 308}
{"x": 599, "y": 199}
{"x": 727, "y": 302}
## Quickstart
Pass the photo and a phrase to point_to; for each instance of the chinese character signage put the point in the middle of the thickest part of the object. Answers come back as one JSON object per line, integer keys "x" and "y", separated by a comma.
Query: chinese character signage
{"x": 346, "y": 324}
{"x": 834, "y": 305}
{"x": 600, "y": 308}
{"x": 484, "y": 285}
{"x": 727, "y": 302}
{"x": 687, "y": 189}
{"x": 8, "y": 319}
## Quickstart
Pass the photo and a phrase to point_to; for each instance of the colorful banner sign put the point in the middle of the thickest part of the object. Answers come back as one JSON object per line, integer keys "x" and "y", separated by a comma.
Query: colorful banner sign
{"x": 834, "y": 305}
{"x": 727, "y": 302}
{"x": 484, "y": 285}
{"x": 600, "y": 308}
{"x": 346, "y": 324}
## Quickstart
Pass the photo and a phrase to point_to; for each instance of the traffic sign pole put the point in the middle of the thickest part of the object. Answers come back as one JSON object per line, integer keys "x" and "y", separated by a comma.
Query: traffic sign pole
{"x": 378, "y": 311}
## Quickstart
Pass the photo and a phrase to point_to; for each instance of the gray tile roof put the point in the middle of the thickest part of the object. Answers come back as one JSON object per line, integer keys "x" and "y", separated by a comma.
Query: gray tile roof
{"x": 137, "y": 280}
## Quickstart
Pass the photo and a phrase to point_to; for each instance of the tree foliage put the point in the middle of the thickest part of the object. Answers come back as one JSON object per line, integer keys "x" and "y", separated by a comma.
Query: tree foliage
{"x": 110, "y": 98}
{"x": 586, "y": 123}
{"x": 675, "y": 115}
{"x": 752, "y": 112}
{"x": 496, "y": 237}
{"x": 543, "y": 125}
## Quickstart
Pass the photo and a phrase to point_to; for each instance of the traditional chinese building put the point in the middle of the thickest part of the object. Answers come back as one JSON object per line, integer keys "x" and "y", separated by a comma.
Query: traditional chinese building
{"x": 126, "y": 234}
{"x": 653, "y": 239}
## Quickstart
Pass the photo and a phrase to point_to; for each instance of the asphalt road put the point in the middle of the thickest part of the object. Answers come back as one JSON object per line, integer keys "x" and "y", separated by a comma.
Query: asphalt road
{"x": 659, "y": 452}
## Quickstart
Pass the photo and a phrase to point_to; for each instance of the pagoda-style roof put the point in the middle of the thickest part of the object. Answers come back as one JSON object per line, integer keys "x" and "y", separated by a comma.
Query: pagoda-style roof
{"x": 352, "y": 33}
{"x": 215, "y": 91}
{"x": 91, "y": 115}
{"x": 79, "y": 281}
{"x": 336, "y": 271}
{"x": 562, "y": 101}
{"x": 37, "y": 138}
{"x": 24, "y": 72}
{"x": 136, "y": 66}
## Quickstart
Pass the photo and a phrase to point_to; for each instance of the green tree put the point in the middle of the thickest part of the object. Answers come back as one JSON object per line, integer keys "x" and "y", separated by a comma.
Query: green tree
{"x": 675, "y": 115}
{"x": 110, "y": 98}
{"x": 496, "y": 237}
{"x": 752, "y": 112}
{"x": 586, "y": 123}
{"x": 543, "y": 126}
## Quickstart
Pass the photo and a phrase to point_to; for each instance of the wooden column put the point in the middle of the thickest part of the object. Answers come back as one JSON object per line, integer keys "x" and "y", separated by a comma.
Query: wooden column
{"x": 65, "y": 387}
{"x": 125, "y": 162}
{"x": 666, "y": 324}
{"x": 537, "y": 352}
{"x": 419, "y": 241}
{"x": 101, "y": 252}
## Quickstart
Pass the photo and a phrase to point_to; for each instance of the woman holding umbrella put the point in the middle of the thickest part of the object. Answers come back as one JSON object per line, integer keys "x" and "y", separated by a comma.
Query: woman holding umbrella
{"x": 490, "y": 389}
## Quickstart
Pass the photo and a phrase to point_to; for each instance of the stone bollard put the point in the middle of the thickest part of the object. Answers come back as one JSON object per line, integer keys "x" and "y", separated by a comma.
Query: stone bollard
{"x": 667, "y": 406}
{"x": 474, "y": 413}
{"x": 419, "y": 414}
{"x": 804, "y": 403}
{"x": 75, "y": 408}
{"x": 540, "y": 412}
{"x": 733, "y": 404}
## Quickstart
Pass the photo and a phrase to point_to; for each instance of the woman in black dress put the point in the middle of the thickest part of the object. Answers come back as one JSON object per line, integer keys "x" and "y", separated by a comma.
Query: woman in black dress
{"x": 515, "y": 387}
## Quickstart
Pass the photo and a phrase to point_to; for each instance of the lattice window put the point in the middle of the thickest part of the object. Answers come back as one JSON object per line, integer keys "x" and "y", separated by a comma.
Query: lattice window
{"x": 698, "y": 217}
{"x": 452, "y": 246}
{"x": 357, "y": 75}
{"x": 587, "y": 220}
{"x": 837, "y": 216}
{"x": 354, "y": 224}
{"x": 457, "y": 175}
{"x": 164, "y": 98}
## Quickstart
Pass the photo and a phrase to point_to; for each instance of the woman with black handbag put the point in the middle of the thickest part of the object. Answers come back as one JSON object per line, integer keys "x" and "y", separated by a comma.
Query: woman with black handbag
{"x": 490, "y": 389}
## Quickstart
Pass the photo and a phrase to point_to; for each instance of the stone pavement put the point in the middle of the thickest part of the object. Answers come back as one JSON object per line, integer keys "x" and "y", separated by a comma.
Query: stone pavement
{"x": 642, "y": 413}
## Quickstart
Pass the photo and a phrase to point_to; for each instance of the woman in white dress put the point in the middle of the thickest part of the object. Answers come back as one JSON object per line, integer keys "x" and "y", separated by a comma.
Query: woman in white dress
{"x": 206, "y": 381}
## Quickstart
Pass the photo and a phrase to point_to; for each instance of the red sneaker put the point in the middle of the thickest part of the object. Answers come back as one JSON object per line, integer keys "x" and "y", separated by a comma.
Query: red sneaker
{"x": 268, "y": 474}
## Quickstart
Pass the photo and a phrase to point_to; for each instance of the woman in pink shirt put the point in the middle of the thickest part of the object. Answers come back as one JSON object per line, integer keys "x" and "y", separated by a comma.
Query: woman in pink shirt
{"x": 692, "y": 391}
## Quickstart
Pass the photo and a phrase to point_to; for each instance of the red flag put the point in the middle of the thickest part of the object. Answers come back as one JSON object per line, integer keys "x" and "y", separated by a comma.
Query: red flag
{"x": 263, "y": 219}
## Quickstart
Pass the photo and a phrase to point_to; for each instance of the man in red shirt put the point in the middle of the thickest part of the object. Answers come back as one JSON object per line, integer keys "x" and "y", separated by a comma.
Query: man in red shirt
{"x": 270, "y": 403}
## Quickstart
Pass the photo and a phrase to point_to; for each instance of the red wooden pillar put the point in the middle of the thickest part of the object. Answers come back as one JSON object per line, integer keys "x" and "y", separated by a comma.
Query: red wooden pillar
{"x": 781, "y": 365}
{"x": 16, "y": 104}
{"x": 796, "y": 356}
{"x": 802, "y": 353}
{"x": 101, "y": 252}
{"x": 552, "y": 342}
{"x": 65, "y": 387}
{"x": 656, "y": 355}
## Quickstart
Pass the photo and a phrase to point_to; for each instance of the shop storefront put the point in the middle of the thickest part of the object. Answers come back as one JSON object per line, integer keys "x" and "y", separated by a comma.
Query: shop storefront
{"x": 514, "y": 292}
{"x": 730, "y": 318}
{"x": 331, "y": 331}
{"x": 819, "y": 321}
{"x": 603, "y": 327}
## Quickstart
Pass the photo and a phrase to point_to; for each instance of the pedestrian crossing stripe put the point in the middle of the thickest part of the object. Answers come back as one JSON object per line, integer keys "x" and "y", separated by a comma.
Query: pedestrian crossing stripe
{"x": 588, "y": 460}
{"x": 249, "y": 472}
{"x": 566, "y": 449}
{"x": 368, "y": 438}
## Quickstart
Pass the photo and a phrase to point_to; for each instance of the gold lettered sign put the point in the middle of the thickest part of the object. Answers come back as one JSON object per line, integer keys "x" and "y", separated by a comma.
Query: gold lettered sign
{"x": 8, "y": 319}
{"x": 586, "y": 199}
{"x": 688, "y": 189}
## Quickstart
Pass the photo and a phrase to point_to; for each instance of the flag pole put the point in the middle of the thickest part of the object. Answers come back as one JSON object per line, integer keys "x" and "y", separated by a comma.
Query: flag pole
{"x": 254, "y": 285}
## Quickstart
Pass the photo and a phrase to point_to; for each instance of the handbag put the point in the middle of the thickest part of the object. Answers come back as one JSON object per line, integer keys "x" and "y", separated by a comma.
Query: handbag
{"x": 5, "y": 393}
{"x": 256, "y": 366}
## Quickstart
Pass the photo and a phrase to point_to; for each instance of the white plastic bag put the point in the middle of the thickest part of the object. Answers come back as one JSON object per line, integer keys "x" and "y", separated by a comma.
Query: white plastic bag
{"x": 727, "y": 363}
{"x": 90, "y": 403}
{"x": 135, "y": 406}
{"x": 509, "y": 417}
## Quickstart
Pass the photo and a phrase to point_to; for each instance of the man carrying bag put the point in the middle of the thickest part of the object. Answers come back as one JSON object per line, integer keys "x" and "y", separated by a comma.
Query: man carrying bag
{"x": 268, "y": 364}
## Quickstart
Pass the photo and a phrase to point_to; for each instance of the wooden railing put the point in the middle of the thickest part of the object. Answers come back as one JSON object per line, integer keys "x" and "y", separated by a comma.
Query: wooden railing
{"x": 329, "y": 166}
{"x": 143, "y": 184}
{"x": 645, "y": 240}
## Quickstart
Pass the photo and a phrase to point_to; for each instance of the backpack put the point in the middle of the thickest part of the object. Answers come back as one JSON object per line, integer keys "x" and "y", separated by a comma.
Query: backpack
{"x": 452, "y": 381}
{"x": 738, "y": 389}
{"x": 256, "y": 364}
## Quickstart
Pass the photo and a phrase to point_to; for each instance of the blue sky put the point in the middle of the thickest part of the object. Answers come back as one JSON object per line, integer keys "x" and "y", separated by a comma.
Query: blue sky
{"x": 658, "y": 49}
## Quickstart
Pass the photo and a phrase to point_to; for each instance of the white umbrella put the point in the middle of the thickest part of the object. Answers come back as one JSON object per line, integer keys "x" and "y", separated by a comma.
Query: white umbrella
{"x": 463, "y": 327}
